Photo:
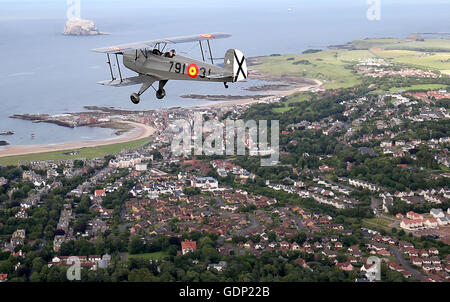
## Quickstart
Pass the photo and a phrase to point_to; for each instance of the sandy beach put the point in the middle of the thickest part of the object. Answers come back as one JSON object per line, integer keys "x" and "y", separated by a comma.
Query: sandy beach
{"x": 140, "y": 131}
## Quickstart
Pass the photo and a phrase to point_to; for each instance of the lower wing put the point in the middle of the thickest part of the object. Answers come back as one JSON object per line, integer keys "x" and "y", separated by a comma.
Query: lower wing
{"x": 140, "y": 79}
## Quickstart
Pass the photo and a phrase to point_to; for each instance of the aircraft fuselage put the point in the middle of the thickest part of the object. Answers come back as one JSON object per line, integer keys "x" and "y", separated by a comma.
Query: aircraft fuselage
{"x": 176, "y": 68}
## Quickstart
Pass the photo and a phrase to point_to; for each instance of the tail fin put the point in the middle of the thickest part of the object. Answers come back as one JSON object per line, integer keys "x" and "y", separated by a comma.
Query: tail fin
{"x": 235, "y": 63}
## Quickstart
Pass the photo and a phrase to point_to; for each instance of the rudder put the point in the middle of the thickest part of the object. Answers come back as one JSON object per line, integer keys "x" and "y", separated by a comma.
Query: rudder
{"x": 236, "y": 63}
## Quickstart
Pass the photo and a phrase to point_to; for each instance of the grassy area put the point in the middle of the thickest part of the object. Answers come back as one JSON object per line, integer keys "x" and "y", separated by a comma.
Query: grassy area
{"x": 329, "y": 66}
{"x": 419, "y": 87}
{"x": 374, "y": 43}
{"x": 377, "y": 223}
{"x": 432, "y": 44}
{"x": 90, "y": 152}
{"x": 149, "y": 256}
{"x": 299, "y": 97}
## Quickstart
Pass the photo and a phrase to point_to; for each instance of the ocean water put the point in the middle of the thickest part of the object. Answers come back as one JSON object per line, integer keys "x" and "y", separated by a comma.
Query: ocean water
{"x": 42, "y": 71}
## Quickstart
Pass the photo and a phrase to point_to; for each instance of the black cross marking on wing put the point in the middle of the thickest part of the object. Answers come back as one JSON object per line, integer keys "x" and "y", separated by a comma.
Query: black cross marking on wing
{"x": 240, "y": 69}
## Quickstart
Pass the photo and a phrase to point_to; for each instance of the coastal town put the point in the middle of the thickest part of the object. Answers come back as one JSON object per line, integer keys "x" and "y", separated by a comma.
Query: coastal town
{"x": 362, "y": 173}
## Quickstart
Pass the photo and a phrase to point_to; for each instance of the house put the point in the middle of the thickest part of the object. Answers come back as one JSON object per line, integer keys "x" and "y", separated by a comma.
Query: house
{"x": 3, "y": 277}
{"x": 405, "y": 244}
{"x": 416, "y": 261}
{"x": 302, "y": 262}
{"x": 284, "y": 245}
{"x": 369, "y": 270}
{"x": 442, "y": 221}
{"x": 424, "y": 253}
{"x": 437, "y": 213}
{"x": 430, "y": 223}
{"x": 295, "y": 246}
{"x": 329, "y": 253}
{"x": 188, "y": 246}
{"x": 383, "y": 253}
{"x": 354, "y": 250}
{"x": 100, "y": 193}
{"x": 412, "y": 215}
{"x": 248, "y": 244}
{"x": 433, "y": 251}
{"x": 346, "y": 266}
{"x": 217, "y": 266}
{"x": 205, "y": 183}
{"x": 411, "y": 224}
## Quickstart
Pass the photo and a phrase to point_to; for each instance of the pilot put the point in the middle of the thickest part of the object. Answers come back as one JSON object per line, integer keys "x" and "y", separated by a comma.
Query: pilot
{"x": 170, "y": 54}
{"x": 156, "y": 52}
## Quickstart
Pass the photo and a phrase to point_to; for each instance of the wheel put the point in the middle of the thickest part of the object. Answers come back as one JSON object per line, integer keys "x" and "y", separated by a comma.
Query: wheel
{"x": 135, "y": 98}
{"x": 160, "y": 94}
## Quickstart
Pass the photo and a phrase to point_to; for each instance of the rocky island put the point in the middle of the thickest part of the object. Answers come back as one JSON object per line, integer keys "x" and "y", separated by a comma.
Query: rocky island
{"x": 7, "y": 133}
{"x": 81, "y": 27}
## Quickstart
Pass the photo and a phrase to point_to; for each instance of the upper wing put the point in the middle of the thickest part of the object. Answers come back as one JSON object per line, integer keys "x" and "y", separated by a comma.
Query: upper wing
{"x": 150, "y": 44}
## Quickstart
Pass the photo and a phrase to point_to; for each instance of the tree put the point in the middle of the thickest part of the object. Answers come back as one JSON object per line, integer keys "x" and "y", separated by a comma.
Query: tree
{"x": 136, "y": 245}
{"x": 141, "y": 275}
{"x": 172, "y": 251}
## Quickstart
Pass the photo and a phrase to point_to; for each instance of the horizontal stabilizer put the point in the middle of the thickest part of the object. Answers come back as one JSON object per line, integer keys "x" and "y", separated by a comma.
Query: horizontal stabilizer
{"x": 220, "y": 76}
{"x": 129, "y": 81}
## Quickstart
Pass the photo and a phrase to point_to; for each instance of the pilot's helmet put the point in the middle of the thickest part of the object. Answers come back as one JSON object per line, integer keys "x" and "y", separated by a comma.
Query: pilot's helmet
{"x": 172, "y": 51}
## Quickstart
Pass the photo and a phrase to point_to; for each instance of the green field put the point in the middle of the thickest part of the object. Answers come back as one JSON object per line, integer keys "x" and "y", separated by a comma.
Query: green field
{"x": 428, "y": 44}
{"x": 419, "y": 87}
{"x": 149, "y": 256}
{"x": 328, "y": 66}
{"x": 88, "y": 153}
{"x": 439, "y": 61}
{"x": 333, "y": 67}
{"x": 377, "y": 223}
{"x": 374, "y": 43}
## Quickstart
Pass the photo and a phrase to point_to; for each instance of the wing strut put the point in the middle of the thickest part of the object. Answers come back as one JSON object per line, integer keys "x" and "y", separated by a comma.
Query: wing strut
{"x": 201, "y": 49}
{"x": 110, "y": 67}
{"x": 210, "y": 53}
{"x": 118, "y": 66}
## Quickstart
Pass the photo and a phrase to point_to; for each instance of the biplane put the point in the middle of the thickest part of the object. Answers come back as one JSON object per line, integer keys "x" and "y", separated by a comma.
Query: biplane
{"x": 152, "y": 64}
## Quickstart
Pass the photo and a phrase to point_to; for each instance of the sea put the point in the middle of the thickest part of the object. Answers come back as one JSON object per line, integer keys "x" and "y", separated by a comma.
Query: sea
{"x": 43, "y": 71}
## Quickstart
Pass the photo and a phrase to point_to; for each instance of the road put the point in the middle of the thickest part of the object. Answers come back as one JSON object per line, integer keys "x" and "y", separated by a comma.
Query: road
{"x": 374, "y": 205}
{"x": 295, "y": 218}
{"x": 399, "y": 257}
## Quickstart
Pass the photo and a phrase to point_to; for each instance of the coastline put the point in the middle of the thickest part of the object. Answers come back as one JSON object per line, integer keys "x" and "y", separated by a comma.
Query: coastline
{"x": 271, "y": 94}
{"x": 139, "y": 131}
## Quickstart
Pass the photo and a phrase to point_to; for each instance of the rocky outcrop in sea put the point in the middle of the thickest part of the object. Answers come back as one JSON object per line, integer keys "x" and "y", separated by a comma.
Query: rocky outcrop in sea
{"x": 81, "y": 27}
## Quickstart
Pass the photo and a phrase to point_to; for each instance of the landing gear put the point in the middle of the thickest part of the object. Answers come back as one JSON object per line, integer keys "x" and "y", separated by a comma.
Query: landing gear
{"x": 225, "y": 84}
{"x": 135, "y": 98}
{"x": 160, "y": 94}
